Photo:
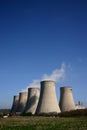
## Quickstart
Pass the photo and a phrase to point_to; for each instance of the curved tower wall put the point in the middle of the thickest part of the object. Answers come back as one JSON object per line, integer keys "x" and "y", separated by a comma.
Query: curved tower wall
{"x": 22, "y": 101}
{"x": 48, "y": 100}
{"x": 32, "y": 101}
{"x": 66, "y": 99}
{"x": 15, "y": 103}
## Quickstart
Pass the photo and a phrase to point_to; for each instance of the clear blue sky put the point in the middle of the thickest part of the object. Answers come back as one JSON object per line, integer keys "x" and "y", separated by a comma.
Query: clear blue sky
{"x": 36, "y": 37}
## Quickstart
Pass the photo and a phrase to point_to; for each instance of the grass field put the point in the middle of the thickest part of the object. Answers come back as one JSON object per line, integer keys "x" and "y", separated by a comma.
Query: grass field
{"x": 43, "y": 123}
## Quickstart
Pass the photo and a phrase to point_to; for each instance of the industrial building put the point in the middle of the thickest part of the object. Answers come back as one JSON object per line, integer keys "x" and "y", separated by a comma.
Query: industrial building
{"x": 66, "y": 99}
{"x": 32, "y": 100}
{"x": 15, "y": 104}
{"x": 48, "y": 99}
{"x": 22, "y": 102}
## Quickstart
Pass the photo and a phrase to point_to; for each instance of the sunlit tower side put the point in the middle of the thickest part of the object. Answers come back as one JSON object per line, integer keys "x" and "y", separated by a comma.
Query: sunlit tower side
{"x": 15, "y": 104}
{"x": 66, "y": 99}
{"x": 32, "y": 100}
{"x": 22, "y": 101}
{"x": 48, "y": 99}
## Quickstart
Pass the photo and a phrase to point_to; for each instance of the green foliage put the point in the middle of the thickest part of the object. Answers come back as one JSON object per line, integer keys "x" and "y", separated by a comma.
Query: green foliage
{"x": 74, "y": 113}
{"x": 43, "y": 123}
{"x": 50, "y": 114}
{"x": 27, "y": 114}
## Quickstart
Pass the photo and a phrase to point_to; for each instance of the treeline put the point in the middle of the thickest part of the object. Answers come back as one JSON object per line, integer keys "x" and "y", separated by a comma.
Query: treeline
{"x": 4, "y": 110}
{"x": 73, "y": 113}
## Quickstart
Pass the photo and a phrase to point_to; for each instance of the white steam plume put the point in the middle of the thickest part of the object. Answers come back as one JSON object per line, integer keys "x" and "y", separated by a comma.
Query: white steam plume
{"x": 57, "y": 75}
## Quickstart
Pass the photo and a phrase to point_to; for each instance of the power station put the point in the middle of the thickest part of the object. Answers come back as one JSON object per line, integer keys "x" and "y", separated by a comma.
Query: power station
{"x": 79, "y": 105}
{"x": 66, "y": 99}
{"x": 44, "y": 100}
{"x": 22, "y": 102}
{"x": 48, "y": 99}
{"x": 15, "y": 104}
{"x": 32, "y": 100}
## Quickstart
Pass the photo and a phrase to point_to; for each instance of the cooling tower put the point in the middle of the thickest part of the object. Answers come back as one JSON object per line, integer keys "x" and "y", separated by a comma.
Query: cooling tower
{"x": 32, "y": 101}
{"x": 22, "y": 101}
{"x": 66, "y": 99}
{"x": 48, "y": 100}
{"x": 15, "y": 104}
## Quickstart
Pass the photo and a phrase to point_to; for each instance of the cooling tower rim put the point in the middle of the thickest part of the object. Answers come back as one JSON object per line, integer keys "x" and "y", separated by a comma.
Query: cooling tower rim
{"x": 16, "y": 95}
{"x": 47, "y": 81}
{"x": 33, "y": 88}
{"x": 22, "y": 93}
{"x": 66, "y": 87}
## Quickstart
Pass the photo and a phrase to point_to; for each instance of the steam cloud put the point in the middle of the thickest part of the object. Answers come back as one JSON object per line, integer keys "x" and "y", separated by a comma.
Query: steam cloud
{"x": 57, "y": 75}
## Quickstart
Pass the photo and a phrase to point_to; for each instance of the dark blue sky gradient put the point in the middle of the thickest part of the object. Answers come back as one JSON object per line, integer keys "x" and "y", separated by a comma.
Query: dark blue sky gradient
{"x": 36, "y": 37}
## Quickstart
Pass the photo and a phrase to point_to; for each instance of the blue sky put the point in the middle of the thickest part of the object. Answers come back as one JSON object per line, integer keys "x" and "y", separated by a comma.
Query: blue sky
{"x": 36, "y": 38}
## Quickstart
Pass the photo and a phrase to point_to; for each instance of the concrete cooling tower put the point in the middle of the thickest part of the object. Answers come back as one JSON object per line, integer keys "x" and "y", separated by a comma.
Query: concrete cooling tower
{"x": 32, "y": 101}
{"x": 22, "y": 101}
{"x": 48, "y": 100}
{"x": 66, "y": 99}
{"x": 15, "y": 104}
